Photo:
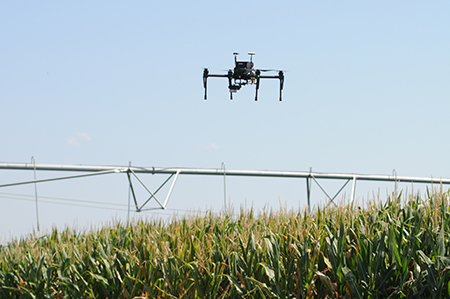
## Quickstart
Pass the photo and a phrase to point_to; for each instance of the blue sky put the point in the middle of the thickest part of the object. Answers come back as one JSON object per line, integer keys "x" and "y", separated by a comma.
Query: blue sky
{"x": 107, "y": 82}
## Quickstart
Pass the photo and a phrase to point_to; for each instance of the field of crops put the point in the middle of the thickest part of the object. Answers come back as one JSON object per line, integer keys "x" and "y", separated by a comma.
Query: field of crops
{"x": 396, "y": 248}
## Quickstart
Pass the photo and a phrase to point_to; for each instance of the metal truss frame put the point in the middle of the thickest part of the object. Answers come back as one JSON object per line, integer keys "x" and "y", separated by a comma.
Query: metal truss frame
{"x": 331, "y": 199}
{"x": 152, "y": 194}
{"x": 132, "y": 171}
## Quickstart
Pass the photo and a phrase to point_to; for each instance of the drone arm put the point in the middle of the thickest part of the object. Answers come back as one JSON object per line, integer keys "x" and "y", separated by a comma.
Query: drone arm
{"x": 269, "y": 77}
{"x": 217, "y": 76}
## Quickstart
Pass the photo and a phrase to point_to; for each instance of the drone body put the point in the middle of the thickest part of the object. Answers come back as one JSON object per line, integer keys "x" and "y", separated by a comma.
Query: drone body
{"x": 243, "y": 73}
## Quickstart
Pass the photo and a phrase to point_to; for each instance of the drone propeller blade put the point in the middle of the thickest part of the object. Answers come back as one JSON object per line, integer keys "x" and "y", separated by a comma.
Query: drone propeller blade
{"x": 269, "y": 70}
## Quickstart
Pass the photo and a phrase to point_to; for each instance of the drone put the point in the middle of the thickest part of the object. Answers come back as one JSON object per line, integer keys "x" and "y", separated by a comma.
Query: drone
{"x": 244, "y": 73}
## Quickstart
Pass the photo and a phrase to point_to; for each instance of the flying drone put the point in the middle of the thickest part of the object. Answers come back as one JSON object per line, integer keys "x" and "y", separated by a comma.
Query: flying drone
{"x": 244, "y": 73}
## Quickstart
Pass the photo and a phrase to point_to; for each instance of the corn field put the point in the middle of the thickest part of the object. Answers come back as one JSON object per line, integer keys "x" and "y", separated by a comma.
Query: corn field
{"x": 395, "y": 248}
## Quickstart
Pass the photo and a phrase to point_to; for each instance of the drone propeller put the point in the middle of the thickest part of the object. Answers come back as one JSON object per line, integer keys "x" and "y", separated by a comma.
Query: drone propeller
{"x": 269, "y": 70}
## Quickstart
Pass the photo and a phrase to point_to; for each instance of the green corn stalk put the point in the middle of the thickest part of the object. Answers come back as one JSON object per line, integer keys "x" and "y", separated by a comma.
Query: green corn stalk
{"x": 395, "y": 249}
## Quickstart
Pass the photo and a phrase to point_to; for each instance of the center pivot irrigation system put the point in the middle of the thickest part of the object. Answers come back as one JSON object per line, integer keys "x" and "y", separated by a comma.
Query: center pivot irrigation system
{"x": 94, "y": 170}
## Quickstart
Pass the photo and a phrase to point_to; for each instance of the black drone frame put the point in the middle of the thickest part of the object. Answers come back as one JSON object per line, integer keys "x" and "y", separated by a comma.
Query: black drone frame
{"x": 234, "y": 84}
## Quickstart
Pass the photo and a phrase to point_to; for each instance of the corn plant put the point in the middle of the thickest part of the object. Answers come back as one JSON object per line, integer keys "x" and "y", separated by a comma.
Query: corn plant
{"x": 396, "y": 248}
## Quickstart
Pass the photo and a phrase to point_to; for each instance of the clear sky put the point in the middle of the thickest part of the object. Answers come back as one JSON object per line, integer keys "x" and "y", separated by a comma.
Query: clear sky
{"x": 106, "y": 82}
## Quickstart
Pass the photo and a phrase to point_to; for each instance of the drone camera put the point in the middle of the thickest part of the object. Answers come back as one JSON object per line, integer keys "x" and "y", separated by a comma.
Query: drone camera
{"x": 234, "y": 88}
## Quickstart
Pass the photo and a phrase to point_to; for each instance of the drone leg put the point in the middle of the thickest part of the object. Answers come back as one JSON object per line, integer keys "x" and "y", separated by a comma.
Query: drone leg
{"x": 258, "y": 73}
{"x": 205, "y": 78}
{"x": 230, "y": 75}
{"x": 281, "y": 76}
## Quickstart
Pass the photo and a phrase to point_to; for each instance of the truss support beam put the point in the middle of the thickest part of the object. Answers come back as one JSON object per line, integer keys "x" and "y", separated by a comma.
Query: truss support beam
{"x": 337, "y": 193}
{"x": 308, "y": 192}
{"x": 92, "y": 170}
{"x": 331, "y": 199}
{"x": 171, "y": 188}
{"x": 323, "y": 190}
{"x": 220, "y": 172}
{"x": 148, "y": 190}
{"x": 152, "y": 194}
{"x": 61, "y": 178}
{"x": 132, "y": 192}
{"x": 353, "y": 190}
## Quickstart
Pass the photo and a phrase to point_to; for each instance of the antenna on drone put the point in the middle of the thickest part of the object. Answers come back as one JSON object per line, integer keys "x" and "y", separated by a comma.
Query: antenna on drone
{"x": 235, "y": 56}
{"x": 251, "y": 55}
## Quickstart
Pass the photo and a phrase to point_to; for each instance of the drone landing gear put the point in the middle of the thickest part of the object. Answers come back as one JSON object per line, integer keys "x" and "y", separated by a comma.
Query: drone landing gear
{"x": 231, "y": 87}
{"x": 205, "y": 78}
{"x": 281, "y": 76}
{"x": 258, "y": 77}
